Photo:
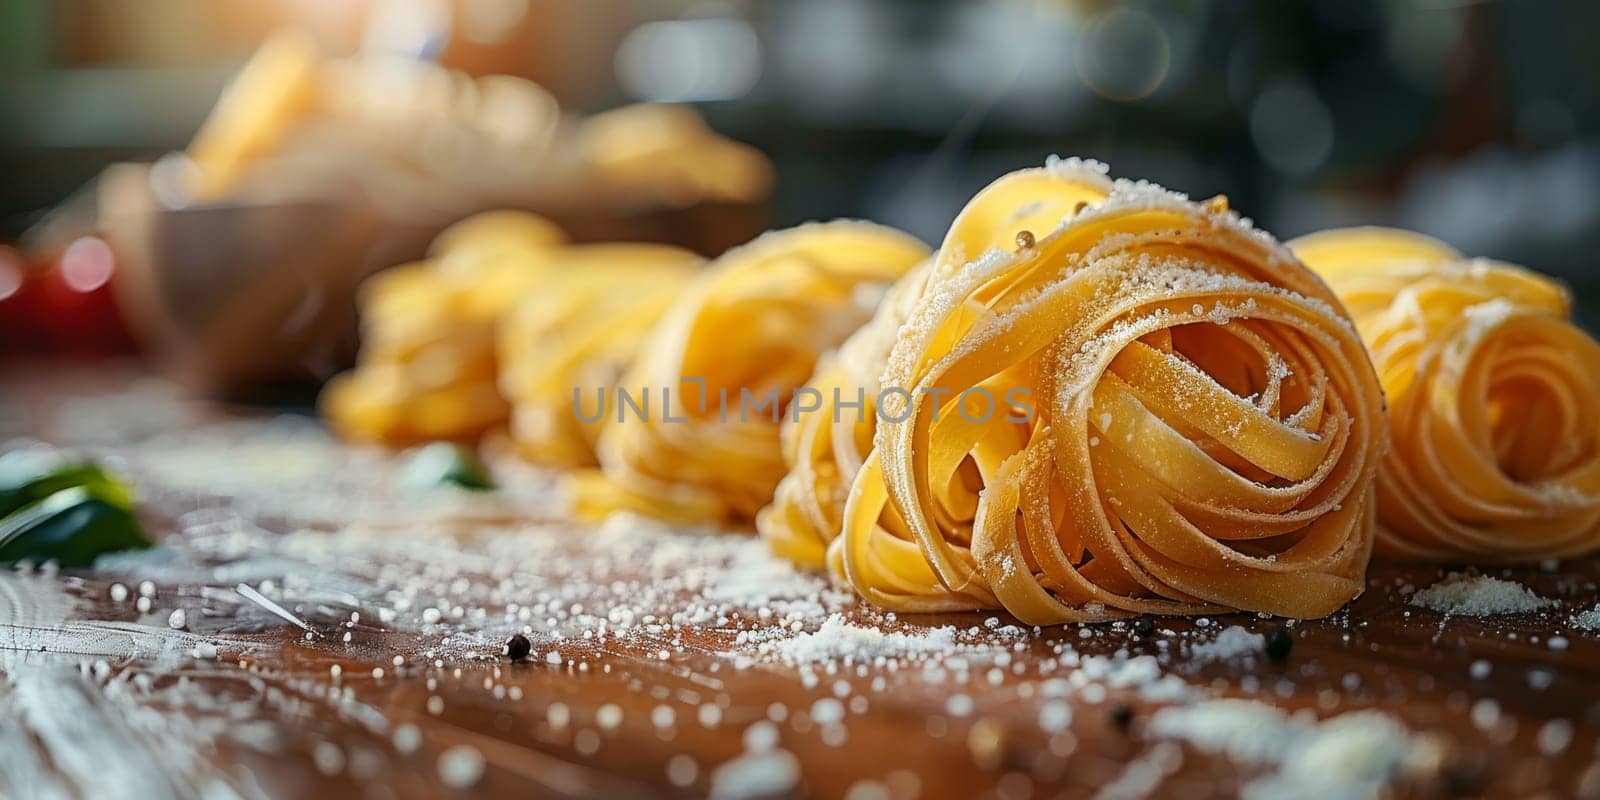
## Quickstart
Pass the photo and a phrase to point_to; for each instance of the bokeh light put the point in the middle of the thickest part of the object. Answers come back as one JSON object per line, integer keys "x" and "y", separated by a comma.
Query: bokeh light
{"x": 689, "y": 60}
{"x": 1291, "y": 127}
{"x": 1123, "y": 54}
{"x": 87, "y": 264}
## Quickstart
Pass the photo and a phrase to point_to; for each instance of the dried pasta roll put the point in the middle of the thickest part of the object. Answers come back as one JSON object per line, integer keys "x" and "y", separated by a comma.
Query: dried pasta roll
{"x": 668, "y": 153}
{"x": 823, "y": 449}
{"x": 383, "y": 404}
{"x": 407, "y": 309}
{"x": 724, "y": 364}
{"x": 1494, "y": 399}
{"x": 277, "y": 88}
{"x": 1152, "y": 408}
{"x": 427, "y": 368}
{"x": 493, "y": 232}
{"x": 569, "y": 342}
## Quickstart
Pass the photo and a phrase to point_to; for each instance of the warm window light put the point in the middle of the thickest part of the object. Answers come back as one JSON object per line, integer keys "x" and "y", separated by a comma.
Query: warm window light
{"x": 86, "y": 265}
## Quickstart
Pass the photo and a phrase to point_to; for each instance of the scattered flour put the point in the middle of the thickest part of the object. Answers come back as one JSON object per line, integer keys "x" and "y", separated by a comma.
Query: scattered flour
{"x": 754, "y": 579}
{"x": 1479, "y": 596}
{"x": 461, "y": 766}
{"x": 1348, "y": 756}
{"x": 756, "y": 774}
{"x": 1588, "y": 620}
{"x": 1140, "y": 674}
{"x": 1144, "y": 774}
{"x": 1233, "y": 643}
{"x": 839, "y": 639}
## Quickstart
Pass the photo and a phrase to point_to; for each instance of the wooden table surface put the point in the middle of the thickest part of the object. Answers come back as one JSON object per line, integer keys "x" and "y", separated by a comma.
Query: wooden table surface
{"x": 682, "y": 663}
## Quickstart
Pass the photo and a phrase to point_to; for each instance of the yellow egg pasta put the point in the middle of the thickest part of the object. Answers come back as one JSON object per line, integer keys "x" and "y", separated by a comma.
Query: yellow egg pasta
{"x": 415, "y": 138}
{"x": 668, "y": 153}
{"x": 491, "y": 232}
{"x": 722, "y": 368}
{"x": 427, "y": 369}
{"x": 824, "y": 448}
{"x": 258, "y": 109}
{"x": 1494, "y": 399}
{"x": 385, "y": 405}
{"x": 1107, "y": 401}
{"x": 576, "y": 335}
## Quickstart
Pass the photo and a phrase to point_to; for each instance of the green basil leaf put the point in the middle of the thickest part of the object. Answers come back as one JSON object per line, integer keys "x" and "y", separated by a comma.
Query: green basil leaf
{"x": 25, "y": 487}
{"x": 30, "y": 475}
{"x": 72, "y": 526}
{"x": 447, "y": 464}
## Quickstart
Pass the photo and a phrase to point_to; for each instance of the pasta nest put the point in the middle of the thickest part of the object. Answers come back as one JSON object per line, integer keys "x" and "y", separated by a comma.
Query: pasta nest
{"x": 1494, "y": 399}
{"x": 1107, "y": 400}
{"x": 722, "y": 367}
{"x": 566, "y": 345}
{"x": 427, "y": 369}
{"x": 826, "y": 448}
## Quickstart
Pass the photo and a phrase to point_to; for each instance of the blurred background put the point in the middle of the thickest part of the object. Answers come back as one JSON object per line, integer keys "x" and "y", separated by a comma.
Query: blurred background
{"x": 1477, "y": 122}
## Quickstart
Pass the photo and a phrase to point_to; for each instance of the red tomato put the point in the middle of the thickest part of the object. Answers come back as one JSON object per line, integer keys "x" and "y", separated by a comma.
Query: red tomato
{"x": 19, "y": 327}
{"x": 68, "y": 308}
{"x": 77, "y": 296}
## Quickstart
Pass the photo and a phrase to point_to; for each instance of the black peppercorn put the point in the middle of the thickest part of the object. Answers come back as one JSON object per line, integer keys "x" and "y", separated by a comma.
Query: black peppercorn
{"x": 517, "y": 647}
{"x": 1144, "y": 626}
{"x": 1279, "y": 643}
{"x": 1121, "y": 715}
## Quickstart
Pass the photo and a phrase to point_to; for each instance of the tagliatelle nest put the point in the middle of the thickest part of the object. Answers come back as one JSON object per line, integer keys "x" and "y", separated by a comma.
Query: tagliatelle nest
{"x": 730, "y": 354}
{"x": 565, "y": 346}
{"x": 427, "y": 368}
{"x": 1175, "y": 417}
{"x": 826, "y": 447}
{"x": 1494, "y": 399}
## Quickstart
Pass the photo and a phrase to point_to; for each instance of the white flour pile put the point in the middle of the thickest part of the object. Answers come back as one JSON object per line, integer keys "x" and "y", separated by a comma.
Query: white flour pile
{"x": 1479, "y": 596}
{"x": 839, "y": 639}
{"x": 1588, "y": 620}
{"x": 1234, "y": 643}
{"x": 1351, "y": 755}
